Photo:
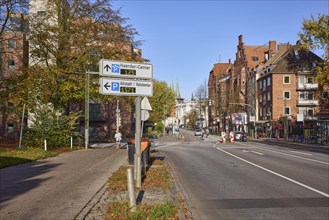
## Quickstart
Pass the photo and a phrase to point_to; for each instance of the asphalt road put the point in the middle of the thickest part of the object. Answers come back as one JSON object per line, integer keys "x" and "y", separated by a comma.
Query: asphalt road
{"x": 250, "y": 180}
{"x": 58, "y": 188}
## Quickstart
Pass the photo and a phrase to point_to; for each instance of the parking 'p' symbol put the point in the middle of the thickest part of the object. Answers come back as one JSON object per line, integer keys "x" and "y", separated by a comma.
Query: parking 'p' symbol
{"x": 115, "y": 86}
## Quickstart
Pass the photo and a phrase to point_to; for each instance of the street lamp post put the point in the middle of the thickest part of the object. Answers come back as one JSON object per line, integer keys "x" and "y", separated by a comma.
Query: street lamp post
{"x": 252, "y": 109}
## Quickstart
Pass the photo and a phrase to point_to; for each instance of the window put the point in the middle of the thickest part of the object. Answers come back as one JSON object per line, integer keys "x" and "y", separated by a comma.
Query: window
{"x": 260, "y": 98}
{"x": 301, "y": 79}
{"x": 10, "y": 128}
{"x": 325, "y": 94}
{"x": 302, "y": 95}
{"x": 266, "y": 56}
{"x": 269, "y": 81}
{"x": 95, "y": 110}
{"x": 296, "y": 54}
{"x": 260, "y": 112}
{"x": 286, "y": 95}
{"x": 254, "y": 58}
{"x": 310, "y": 112}
{"x": 286, "y": 79}
{"x": 310, "y": 96}
{"x": 268, "y": 96}
{"x": 11, "y": 64}
{"x": 11, "y": 43}
{"x": 260, "y": 84}
{"x": 264, "y": 99}
{"x": 264, "y": 111}
{"x": 306, "y": 95}
{"x": 286, "y": 111}
{"x": 41, "y": 13}
{"x": 302, "y": 110}
{"x": 309, "y": 80}
{"x": 264, "y": 84}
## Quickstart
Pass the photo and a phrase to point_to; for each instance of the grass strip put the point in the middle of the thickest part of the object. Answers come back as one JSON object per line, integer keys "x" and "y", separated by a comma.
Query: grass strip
{"x": 121, "y": 211}
{"x": 14, "y": 156}
{"x": 156, "y": 177}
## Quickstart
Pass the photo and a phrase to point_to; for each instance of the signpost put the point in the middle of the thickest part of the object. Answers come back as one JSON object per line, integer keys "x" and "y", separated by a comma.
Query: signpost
{"x": 129, "y": 79}
{"x": 125, "y": 87}
{"x": 124, "y": 69}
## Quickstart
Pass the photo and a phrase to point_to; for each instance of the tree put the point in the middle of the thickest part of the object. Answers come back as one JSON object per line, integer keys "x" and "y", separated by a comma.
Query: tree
{"x": 162, "y": 101}
{"x": 13, "y": 25}
{"x": 192, "y": 118}
{"x": 201, "y": 95}
{"x": 314, "y": 36}
{"x": 68, "y": 40}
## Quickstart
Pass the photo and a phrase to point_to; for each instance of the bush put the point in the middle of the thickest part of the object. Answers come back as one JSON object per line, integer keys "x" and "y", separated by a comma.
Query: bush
{"x": 57, "y": 130}
{"x": 159, "y": 127}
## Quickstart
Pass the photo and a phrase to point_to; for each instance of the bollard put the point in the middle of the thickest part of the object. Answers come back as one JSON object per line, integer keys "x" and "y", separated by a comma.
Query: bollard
{"x": 232, "y": 137}
{"x": 131, "y": 189}
{"x": 45, "y": 145}
{"x": 223, "y": 137}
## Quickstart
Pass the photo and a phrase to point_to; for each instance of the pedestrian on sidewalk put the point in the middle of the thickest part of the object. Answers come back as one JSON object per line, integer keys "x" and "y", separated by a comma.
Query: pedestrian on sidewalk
{"x": 118, "y": 138}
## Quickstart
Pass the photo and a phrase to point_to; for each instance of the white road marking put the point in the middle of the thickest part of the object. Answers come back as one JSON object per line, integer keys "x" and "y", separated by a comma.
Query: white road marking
{"x": 277, "y": 174}
{"x": 257, "y": 152}
{"x": 291, "y": 155}
{"x": 298, "y": 152}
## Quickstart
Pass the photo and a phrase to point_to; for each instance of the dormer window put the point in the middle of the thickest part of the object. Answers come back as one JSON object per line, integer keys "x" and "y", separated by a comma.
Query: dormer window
{"x": 254, "y": 58}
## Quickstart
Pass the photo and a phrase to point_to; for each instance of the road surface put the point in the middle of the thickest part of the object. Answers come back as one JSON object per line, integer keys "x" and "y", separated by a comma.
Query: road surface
{"x": 250, "y": 180}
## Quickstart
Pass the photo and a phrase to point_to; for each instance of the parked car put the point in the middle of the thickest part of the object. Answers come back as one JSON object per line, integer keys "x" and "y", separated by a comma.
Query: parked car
{"x": 197, "y": 132}
{"x": 240, "y": 136}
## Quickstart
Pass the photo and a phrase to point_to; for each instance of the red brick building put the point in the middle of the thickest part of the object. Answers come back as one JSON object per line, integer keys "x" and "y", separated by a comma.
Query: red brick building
{"x": 288, "y": 93}
{"x": 13, "y": 59}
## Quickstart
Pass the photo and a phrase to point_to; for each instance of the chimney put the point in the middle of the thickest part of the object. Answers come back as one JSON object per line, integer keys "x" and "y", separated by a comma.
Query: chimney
{"x": 240, "y": 41}
{"x": 272, "y": 46}
{"x": 240, "y": 38}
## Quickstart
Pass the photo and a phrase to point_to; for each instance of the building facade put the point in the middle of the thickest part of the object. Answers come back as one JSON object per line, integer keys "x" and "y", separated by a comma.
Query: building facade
{"x": 13, "y": 59}
{"x": 275, "y": 85}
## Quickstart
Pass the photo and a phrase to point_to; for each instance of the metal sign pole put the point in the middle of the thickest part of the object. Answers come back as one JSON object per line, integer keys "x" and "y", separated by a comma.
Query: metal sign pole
{"x": 138, "y": 167}
{"x": 86, "y": 110}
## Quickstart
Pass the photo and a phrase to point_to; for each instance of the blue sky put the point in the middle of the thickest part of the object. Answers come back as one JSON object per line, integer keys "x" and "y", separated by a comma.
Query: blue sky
{"x": 184, "y": 39}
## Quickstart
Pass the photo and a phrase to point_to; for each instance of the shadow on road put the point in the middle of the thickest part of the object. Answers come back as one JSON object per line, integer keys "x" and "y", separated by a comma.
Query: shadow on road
{"x": 17, "y": 180}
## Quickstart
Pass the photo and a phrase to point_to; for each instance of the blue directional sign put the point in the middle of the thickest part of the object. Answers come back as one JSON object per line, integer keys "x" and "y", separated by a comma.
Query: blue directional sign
{"x": 125, "y": 69}
{"x": 123, "y": 87}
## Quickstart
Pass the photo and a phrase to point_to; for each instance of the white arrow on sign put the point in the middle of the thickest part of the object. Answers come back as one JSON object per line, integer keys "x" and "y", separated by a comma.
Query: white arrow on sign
{"x": 146, "y": 104}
